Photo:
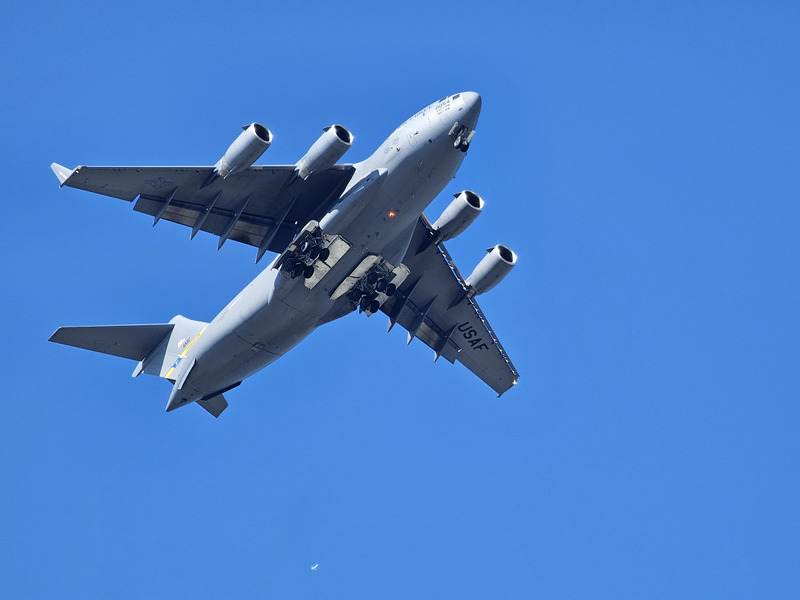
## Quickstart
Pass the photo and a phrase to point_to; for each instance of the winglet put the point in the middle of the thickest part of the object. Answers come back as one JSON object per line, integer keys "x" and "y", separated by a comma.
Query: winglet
{"x": 62, "y": 172}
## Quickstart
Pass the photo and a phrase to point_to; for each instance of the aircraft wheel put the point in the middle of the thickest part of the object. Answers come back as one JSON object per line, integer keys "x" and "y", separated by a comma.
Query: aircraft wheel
{"x": 314, "y": 252}
{"x": 464, "y": 147}
{"x": 324, "y": 253}
{"x": 355, "y": 296}
{"x": 391, "y": 289}
{"x": 381, "y": 285}
{"x": 289, "y": 265}
{"x": 372, "y": 278}
{"x": 308, "y": 272}
{"x": 299, "y": 269}
{"x": 365, "y": 303}
{"x": 374, "y": 306}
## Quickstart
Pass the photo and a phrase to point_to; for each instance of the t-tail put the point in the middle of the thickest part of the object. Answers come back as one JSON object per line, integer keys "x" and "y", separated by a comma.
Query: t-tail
{"x": 160, "y": 349}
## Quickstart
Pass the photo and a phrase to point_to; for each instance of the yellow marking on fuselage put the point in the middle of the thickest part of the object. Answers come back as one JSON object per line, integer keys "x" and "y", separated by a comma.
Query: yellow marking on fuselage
{"x": 190, "y": 344}
{"x": 182, "y": 355}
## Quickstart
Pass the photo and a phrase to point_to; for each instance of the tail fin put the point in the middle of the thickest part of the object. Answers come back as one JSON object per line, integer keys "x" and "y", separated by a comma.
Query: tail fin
{"x": 157, "y": 347}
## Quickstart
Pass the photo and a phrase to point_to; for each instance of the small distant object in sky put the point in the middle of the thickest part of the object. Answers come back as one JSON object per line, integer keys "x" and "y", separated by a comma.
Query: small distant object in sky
{"x": 315, "y": 567}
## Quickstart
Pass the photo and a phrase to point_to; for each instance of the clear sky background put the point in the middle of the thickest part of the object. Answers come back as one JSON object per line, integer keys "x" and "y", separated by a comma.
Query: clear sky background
{"x": 642, "y": 158}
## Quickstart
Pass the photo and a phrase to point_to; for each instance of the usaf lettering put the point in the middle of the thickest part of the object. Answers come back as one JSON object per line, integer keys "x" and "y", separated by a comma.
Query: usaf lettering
{"x": 471, "y": 335}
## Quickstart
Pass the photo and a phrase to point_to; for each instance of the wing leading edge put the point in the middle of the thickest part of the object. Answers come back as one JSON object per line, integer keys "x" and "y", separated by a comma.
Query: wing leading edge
{"x": 262, "y": 206}
{"x": 433, "y": 306}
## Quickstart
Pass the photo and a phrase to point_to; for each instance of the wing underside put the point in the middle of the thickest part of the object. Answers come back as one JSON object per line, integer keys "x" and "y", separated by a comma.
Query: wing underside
{"x": 262, "y": 207}
{"x": 432, "y": 305}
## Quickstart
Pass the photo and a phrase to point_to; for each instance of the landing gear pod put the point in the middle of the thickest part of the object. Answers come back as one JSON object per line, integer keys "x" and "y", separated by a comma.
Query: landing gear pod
{"x": 492, "y": 269}
{"x": 245, "y": 150}
{"x": 324, "y": 153}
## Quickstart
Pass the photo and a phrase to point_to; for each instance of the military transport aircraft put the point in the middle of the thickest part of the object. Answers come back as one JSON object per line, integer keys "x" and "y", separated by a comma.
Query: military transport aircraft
{"x": 348, "y": 237}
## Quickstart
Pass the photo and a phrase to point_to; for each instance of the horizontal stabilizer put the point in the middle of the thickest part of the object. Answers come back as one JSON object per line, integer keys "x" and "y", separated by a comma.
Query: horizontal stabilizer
{"x": 128, "y": 341}
{"x": 214, "y": 405}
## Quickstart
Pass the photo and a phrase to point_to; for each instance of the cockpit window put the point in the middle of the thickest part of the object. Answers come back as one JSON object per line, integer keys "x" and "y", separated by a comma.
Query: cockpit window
{"x": 456, "y": 96}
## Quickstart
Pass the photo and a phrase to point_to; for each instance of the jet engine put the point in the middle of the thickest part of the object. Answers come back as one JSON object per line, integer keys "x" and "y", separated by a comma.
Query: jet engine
{"x": 491, "y": 270}
{"x": 462, "y": 211}
{"x": 324, "y": 153}
{"x": 244, "y": 150}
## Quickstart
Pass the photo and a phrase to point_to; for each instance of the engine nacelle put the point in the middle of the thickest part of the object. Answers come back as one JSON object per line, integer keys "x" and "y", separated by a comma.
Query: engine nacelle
{"x": 460, "y": 214}
{"x": 491, "y": 270}
{"x": 324, "y": 153}
{"x": 244, "y": 150}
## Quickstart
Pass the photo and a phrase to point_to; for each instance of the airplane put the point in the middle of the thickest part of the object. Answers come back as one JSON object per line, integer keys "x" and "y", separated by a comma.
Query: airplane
{"x": 315, "y": 567}
{"x": 348, "y": 237}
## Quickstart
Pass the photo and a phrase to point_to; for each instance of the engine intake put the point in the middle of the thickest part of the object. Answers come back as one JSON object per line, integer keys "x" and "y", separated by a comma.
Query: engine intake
{"x": 460, "y": 214}
{"x": 324, "y": 153}
{"x": 245, "y": 150}
{"x": 492, "y": 269}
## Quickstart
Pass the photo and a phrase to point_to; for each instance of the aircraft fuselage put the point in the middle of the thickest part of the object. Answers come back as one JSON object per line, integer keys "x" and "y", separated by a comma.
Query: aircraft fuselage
{"x": 376, "y": 215}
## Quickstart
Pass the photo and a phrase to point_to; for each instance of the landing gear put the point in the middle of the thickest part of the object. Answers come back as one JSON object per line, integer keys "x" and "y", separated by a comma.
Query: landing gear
{"x": 463, "y": 136}
{"x": 375, "y": 286}
{"x": 288, "y": 265}
{"x": 312, "y": 255}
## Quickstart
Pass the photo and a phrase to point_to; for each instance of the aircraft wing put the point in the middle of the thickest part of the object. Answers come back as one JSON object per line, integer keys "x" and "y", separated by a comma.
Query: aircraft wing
{"x": 259, "y": 206}
{"x": 432, "y": 305}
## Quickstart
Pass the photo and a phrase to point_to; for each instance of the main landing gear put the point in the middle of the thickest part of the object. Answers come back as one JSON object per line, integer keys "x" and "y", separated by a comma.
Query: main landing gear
{"x": 312, "y": 255}
{"x": 370, "y": 293}
{"x": 300, "y": 263}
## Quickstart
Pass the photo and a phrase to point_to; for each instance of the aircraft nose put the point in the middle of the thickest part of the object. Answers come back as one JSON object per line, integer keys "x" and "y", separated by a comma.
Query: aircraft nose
{"x": 472, "y": 102}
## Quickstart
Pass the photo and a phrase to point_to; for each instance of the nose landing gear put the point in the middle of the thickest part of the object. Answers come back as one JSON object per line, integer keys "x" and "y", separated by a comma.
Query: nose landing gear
{"x": 463, "y": 136}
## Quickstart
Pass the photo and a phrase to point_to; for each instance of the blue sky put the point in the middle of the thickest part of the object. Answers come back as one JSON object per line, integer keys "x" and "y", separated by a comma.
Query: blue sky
{"x": 643, "y": 159}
